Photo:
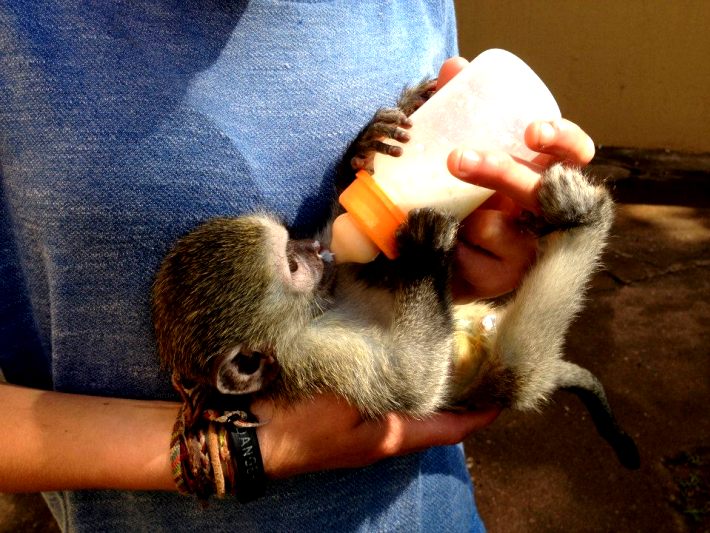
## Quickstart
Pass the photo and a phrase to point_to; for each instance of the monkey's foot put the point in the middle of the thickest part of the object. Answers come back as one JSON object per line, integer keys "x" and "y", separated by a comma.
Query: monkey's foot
{"x": 567, "y": 197}
{"x": 567, "y": 200}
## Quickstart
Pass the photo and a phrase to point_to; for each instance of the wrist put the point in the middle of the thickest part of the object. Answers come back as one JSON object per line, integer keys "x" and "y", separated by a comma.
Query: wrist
{"x": 214, "y": 449}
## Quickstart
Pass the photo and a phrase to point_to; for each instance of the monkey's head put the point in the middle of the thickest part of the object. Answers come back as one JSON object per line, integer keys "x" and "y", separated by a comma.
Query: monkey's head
{"x": 229, "y": 293}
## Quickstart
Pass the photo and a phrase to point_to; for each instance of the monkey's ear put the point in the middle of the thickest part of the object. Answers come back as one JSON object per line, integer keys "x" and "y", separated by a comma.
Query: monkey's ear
{"x": 242, "y": 370}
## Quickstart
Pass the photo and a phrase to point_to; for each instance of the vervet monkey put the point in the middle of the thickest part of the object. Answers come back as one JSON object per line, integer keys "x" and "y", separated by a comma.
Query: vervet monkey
{"x": 241, "y": 308}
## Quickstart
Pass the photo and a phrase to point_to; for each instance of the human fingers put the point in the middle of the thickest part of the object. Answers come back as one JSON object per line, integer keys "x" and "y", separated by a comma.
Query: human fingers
{"x": 559, "y": 140}
{"x": 449, "y": 69}
{"x": 492, "y": 255}
{"x": 556, "y": 140}
{"x": 500, "y": 202}
{"x": 498, "y": 171}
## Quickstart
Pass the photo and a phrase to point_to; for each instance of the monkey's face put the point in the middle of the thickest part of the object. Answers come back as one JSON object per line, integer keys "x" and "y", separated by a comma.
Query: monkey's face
{"x": 230, "y": 293}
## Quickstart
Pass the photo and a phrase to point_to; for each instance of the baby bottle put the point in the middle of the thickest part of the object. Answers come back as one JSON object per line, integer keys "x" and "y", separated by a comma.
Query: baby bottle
{"x": 486, "y": 106}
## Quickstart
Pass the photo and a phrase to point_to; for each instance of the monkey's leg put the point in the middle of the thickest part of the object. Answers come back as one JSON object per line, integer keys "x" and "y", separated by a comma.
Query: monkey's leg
{"x": 532, "y": 327}
{"x": 531, "y": 330}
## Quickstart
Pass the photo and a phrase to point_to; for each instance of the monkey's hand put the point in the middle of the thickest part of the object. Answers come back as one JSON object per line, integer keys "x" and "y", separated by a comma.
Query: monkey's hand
{"x": 425, "y": 242}
{"x": 388, "y": 123}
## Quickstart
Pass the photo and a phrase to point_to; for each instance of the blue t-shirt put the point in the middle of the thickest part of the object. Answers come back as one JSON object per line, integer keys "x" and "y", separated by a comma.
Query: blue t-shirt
{"x": 122, "y": 126}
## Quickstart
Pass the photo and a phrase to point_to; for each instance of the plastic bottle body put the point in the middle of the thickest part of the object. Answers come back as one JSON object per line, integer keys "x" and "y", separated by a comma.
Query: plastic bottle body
{"x": 487, "y": 106}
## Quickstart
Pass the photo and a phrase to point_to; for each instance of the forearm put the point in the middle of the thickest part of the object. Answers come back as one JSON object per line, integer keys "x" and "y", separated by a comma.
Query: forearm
{"x": 55, "y": 441}
{"x": 51, "y": 441}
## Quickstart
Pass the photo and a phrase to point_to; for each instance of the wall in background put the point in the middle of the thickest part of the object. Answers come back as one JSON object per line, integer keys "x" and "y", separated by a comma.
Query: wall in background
{"x": 634, "y": 73}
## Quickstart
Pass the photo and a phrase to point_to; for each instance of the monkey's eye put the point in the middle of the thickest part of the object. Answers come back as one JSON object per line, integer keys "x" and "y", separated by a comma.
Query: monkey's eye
{"x": 292, "y": 264}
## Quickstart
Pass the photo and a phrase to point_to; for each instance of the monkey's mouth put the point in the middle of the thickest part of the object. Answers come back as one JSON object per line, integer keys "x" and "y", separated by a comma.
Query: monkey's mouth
{"x": 327, "y": 279}
{"x": 325, "y": 255}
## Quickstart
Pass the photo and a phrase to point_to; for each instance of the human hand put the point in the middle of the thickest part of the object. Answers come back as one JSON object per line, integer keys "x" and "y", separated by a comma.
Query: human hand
{"x": 325, "y": 433}
{"x": 493, "y": 254}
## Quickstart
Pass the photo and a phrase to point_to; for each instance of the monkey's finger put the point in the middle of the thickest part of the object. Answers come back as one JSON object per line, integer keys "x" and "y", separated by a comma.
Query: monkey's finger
{"x": 498, "y": 171}
{"x": 559, "y": 140}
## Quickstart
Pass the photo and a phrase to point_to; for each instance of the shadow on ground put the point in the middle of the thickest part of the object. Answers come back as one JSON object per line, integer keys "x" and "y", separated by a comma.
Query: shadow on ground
{"x": 25, "y": 513}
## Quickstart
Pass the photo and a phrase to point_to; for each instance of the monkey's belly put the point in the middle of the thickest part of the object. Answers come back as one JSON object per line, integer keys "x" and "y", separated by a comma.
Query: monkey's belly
{"x": 474, "y": 324}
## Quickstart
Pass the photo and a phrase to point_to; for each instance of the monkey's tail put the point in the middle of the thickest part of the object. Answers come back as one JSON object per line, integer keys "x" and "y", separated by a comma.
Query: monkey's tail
{"x": 582, "y": 383}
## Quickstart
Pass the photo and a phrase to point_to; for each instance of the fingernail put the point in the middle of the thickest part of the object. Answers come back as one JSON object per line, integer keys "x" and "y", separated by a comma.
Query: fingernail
{"x": 468, "y": 159}
{"x": 546, "y": 133}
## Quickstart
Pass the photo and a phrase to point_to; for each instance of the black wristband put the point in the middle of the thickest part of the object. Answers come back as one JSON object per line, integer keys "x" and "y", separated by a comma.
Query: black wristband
{"x": 250, "y": 479}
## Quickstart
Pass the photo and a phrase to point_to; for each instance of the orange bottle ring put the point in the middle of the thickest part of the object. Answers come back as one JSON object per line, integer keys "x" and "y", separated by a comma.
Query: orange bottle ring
{"x": 373, "y": 212}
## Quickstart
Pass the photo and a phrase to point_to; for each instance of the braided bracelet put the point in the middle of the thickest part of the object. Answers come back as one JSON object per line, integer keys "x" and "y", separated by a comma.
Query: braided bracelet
{"x": 215, "y": 452}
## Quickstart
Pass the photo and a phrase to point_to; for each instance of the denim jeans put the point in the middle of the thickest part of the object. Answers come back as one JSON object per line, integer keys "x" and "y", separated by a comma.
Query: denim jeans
{"x": 122, "y": 126}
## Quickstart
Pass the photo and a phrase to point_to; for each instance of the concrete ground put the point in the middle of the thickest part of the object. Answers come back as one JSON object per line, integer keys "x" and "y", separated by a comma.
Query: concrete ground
{"x": 646, "y": 334}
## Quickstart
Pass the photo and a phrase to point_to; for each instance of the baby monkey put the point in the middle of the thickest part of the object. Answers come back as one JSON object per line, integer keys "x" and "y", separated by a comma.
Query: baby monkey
{"x": 240, "y": 308}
